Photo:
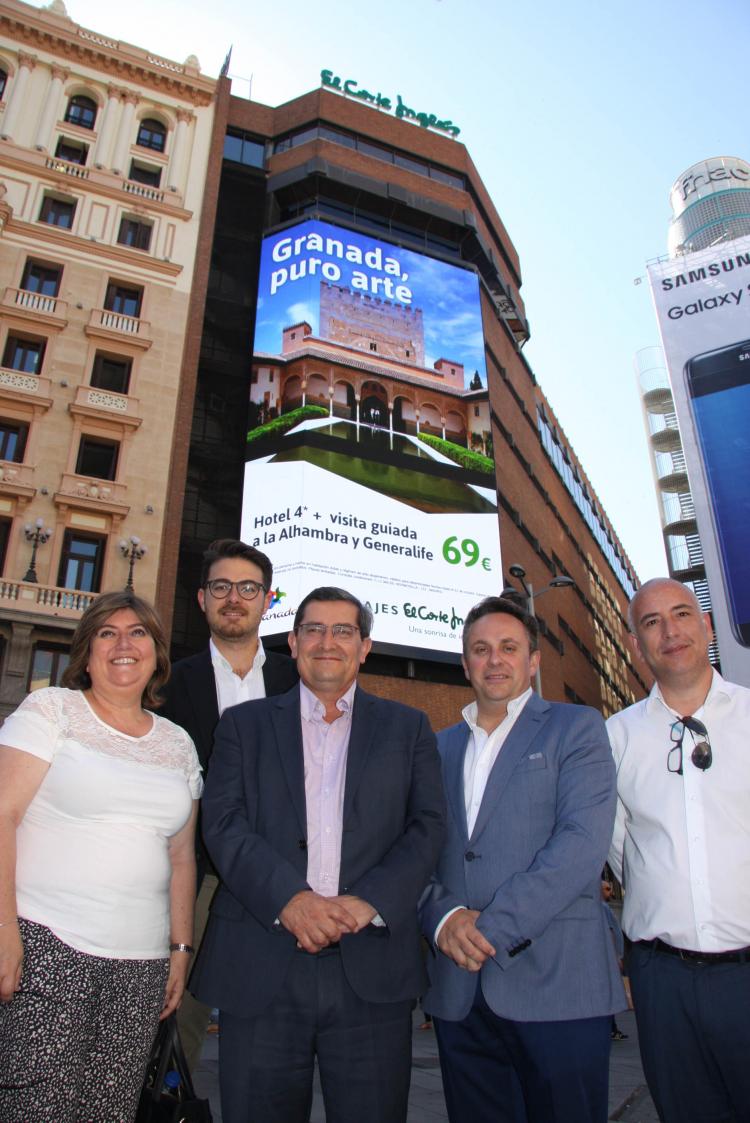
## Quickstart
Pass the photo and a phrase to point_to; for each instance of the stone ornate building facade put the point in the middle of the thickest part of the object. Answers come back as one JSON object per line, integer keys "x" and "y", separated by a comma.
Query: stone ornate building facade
{"x": 103, "y": 156}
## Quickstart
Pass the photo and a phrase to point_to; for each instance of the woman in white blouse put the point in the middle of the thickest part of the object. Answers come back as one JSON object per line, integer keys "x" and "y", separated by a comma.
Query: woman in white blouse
{"x": 98, "y": 800}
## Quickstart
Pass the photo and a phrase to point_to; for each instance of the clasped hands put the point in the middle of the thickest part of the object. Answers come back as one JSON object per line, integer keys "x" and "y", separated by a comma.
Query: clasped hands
{"x": 461, "y": 940}
{"x": 318, "y": 921}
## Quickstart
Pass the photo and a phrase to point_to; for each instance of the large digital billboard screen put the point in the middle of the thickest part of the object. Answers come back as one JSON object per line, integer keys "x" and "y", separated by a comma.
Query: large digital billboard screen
{"x": 702, "y": 304}
{"x": 369, "y": 456}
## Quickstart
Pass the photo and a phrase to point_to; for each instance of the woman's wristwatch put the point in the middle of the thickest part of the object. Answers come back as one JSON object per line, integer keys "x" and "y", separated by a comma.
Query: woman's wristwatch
{"x": 182, "y": 947}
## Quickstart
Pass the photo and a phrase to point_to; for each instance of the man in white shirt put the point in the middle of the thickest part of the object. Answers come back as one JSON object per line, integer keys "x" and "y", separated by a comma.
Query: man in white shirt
{"x": 324, "y": 814}
{"x": 525, "y": 979}
{"x": 234, "y": 593}
{"x": 682, "y": 850}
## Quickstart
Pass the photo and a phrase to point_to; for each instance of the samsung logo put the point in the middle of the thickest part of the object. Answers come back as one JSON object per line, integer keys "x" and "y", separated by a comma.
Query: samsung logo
{"x": 702, "y": 274}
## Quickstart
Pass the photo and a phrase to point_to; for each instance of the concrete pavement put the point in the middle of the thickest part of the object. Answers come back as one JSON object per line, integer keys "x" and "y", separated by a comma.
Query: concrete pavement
{"x": 629, "y": 1101}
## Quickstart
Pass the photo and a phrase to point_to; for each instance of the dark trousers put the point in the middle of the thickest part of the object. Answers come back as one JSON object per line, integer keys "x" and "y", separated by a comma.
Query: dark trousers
{"x": 500, "y": 1071}
{"x": 363, "y": 1049}
{"x": 694, "y": 1033}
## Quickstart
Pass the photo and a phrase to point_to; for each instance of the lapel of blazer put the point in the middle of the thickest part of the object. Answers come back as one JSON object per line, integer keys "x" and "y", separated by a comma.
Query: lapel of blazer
{"x": 360, "y": 740}
{"x": 287, "y": 724}
{"x": 201, "y": 685}
{"x": 516, "y": 748}
{"x": 454, "y": 751}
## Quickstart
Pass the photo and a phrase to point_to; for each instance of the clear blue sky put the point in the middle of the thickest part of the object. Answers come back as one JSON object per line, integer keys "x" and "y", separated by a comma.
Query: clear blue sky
{"x": 578, "y": 116}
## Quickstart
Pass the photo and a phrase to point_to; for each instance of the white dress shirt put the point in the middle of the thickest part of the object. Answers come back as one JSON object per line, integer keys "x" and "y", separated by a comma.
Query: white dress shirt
{"x": 230, "y": 688}
{"x": 482, "y": 750}
{"x": 326, "y": 747}
{"x": 681, "y": 844}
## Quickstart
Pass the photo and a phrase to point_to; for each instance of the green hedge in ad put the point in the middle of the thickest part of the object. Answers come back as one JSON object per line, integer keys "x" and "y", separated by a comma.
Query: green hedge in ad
{"x": 280, "y": 425}
{"x": 474, "y": 461}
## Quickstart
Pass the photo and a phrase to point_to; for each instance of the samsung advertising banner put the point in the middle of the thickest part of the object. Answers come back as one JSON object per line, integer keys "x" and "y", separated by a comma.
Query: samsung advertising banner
{"x": 703, "y": 306}
{"x": 369, "y": 455}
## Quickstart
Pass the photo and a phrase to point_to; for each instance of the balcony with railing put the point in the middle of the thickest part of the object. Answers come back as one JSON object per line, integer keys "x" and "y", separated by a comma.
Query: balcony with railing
{"x": 17, "y": 479}
{"x": 92, "y": 494}
{"x": 47, "y": 599}
{"x": 95, "y": 402}
{"x": 115, "y": 326}
{"x": 143, "y": 191}
{"x": 47, "y": 310}
{"x": 17, "y": 385}
{"x": 66, "y": 167}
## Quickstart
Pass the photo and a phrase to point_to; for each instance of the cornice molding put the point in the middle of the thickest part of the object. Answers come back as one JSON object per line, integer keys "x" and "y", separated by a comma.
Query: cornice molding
{"x": 63, "y": 241}
{"x": 41, "y": 30}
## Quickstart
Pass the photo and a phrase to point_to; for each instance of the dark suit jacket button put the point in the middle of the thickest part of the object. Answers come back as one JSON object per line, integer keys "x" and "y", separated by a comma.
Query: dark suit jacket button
{"x": 302, "y": 844}
{"x": 469, "y": 855}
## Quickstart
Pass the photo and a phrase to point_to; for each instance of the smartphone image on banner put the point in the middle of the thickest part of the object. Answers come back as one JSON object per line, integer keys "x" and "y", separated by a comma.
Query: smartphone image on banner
{"x": 718, "y": 385}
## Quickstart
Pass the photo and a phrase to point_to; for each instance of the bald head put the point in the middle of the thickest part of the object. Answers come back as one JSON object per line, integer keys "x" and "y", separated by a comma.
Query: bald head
{"x": 667, "y": 584}
{"x": 672, "y": 634}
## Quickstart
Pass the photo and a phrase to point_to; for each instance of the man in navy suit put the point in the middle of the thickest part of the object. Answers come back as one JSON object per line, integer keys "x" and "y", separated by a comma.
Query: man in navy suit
{"x": 324, "y": 814}
{"x": 234, "y": 593}
{"x": 524, "y": 980}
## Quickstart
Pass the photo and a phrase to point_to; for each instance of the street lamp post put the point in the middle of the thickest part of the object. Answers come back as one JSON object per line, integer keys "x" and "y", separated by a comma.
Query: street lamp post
{"x": 560, "y": 582}
{"x": 39, "y": 535}
{"x": 132, "y": 551}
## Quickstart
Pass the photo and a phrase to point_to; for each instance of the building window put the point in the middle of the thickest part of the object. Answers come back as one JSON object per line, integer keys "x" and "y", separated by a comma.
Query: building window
{"x": 47, "y": 667}
{"x": 5, "y": 525}
{"x": 71, "y": 150}
{"x": 142, "y": 173}
{"x": 81, "y": 111}
{"x": 57, "y": 212}
{"x": 81, "y": 562}
{"x": 152, "y": 134}
{"x": 41, "y": 278}
{"x": 242, "y": 149}
{"x": 123, "y": 300}
{"x": 134, "y": 233}
{"x": 24, "y": 354}
{"x": 97, "y": 458}
{"x": 3, "y": 82}
{"x": 111, "y": 372}
{"x": 13, "y": 436}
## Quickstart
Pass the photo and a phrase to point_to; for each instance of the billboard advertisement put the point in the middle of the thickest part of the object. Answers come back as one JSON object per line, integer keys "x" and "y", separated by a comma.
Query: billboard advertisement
{"x": 703, "y": 305}
{"x": 369, "y": 456}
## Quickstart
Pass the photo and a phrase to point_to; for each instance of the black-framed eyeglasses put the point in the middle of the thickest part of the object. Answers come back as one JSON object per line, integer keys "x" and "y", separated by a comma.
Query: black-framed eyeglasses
{"x": 220, "y": 588}
{"x": 701, "y": 756}
{"x": 338, "y": 631}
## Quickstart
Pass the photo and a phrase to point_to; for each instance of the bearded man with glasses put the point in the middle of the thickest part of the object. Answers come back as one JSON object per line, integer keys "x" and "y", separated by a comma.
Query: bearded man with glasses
{"x": 681, "y": 847}
{"x": 324, "y": 814}
{"x": 234, "y": 593}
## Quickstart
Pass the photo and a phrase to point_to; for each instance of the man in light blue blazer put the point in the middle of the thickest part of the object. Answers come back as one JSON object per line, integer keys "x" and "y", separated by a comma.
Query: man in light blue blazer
{"x": 524, "y": 978}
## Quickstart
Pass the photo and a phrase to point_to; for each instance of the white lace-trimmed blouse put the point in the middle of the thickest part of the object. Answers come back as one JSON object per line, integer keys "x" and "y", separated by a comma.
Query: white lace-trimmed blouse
{"x": 92, "y": 848}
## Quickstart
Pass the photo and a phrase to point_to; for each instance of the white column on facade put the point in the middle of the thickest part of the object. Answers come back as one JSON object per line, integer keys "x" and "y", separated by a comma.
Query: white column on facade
{"x": 51, "y": 107}
{"x": 390, "y": 418}
{"x": 125, "y": 133}
{"x": 106, "y": 128}
{"x": 176, "y": 172}
{"x": 13, "y": 109}
{"x": 442, "y": 422}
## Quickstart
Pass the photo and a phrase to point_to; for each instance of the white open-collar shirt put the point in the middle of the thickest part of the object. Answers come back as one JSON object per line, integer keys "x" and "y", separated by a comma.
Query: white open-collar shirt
{"x": 682, "y": 843}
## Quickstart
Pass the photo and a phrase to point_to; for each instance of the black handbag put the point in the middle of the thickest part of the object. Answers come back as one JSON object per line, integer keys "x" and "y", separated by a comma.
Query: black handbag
{"x": 168, "y": 1095}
